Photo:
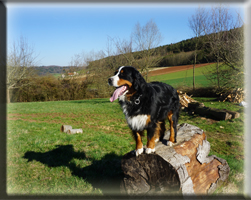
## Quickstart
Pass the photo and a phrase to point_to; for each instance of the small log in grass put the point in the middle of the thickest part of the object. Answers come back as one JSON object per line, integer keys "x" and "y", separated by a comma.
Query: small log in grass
{"x": 65, "y": 128}
{"x": 73, "y": 131}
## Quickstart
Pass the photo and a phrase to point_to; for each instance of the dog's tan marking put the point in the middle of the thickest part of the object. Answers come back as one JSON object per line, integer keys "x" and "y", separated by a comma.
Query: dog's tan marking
{"x": 124, "y": 82}
{"x": 139, "y": 143}
{"x": 148, "y": 119}
{"x": 151, "y": 143}
{"x": 130, "y": 93}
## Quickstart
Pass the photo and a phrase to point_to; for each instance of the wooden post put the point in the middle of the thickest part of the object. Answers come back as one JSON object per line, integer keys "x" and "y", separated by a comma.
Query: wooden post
{"x": 184, "y": 168}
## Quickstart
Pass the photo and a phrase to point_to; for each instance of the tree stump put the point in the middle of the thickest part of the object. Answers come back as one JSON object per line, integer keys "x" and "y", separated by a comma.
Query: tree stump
{"x": 184, "y": 168}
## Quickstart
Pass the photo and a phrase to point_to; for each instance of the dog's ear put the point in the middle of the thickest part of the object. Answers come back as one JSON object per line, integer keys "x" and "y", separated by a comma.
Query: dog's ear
{"x": 139, "y": 82}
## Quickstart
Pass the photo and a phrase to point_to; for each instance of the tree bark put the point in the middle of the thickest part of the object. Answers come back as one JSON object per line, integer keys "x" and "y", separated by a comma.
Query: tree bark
{"x": 184, "y": 168}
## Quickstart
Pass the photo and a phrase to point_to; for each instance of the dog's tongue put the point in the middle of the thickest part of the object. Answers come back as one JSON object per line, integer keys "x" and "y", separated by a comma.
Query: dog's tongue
{"x": 117, "y": 93}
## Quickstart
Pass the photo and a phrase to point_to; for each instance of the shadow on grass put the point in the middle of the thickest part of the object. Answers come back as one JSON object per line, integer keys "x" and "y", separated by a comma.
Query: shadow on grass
{"x": 104, "y": 174}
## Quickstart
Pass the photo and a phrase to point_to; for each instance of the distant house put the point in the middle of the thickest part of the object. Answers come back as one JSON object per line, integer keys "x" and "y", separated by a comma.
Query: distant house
{"x": 70, "y": 74}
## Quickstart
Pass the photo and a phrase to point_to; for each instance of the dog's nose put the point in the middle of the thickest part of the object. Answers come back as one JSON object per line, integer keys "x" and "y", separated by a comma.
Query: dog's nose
{"x": 110, "y": 81}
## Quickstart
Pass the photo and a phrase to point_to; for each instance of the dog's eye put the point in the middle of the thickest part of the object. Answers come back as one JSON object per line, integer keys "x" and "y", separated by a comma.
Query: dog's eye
{"x": 116, "y": 72}
{"x": 121, "y": 72}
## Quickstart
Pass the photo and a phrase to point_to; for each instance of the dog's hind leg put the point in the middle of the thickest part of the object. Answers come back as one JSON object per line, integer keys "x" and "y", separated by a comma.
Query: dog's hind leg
{"x": 162, "y": 131}
{"x": 173, "y": 128}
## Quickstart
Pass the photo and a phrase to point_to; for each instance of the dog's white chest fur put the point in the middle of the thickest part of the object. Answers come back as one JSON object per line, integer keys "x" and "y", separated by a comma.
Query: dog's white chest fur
{"x": 137, "y": 123}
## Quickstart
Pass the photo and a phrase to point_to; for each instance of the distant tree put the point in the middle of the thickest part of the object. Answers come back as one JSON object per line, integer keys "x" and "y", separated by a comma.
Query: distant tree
{"x": 225, "y": 39}
{"x": 123, "y": 49}
{"x": 20, "y": 62}
{"x": 196, "y": 24}
{"x": 145, "y": 39}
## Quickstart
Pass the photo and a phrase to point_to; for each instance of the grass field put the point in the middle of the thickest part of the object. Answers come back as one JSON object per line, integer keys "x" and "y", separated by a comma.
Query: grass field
{"x": 184, "y": 78}
{"x": 42, "y": 160}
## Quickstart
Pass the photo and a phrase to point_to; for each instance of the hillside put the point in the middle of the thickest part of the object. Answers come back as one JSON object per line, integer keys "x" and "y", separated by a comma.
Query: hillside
{"x": 174, "y": 54}
{"x": 53, "y": 69}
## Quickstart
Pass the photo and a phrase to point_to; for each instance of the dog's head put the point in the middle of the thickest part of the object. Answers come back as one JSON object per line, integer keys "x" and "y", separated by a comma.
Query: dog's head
{"x": 127, "y": 81}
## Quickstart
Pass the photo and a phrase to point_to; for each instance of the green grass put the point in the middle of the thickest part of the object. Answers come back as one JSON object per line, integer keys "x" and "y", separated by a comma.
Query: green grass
{"x": 200, "y": 81}
{"x": 42, "y": 160}
{"x": 184, "y": 77}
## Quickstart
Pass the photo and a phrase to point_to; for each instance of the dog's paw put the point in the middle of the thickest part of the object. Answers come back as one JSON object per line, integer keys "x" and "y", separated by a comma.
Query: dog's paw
{"x": 139, "y": 151}
{"x": 169, "y": 143}
{"x": 149, "y": 150}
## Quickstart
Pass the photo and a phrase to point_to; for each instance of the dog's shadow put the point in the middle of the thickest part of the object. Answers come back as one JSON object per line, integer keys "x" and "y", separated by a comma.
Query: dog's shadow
{"x": 104, "y": 174}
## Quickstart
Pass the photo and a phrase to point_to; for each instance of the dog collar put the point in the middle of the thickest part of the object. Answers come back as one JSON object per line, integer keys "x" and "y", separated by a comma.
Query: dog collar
{"x": 137, "y": 101}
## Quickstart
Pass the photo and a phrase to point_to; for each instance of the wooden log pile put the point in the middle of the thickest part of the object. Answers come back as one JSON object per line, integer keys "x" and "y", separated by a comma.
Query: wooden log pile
{"x": 235, "y": 96}
{"x": 185, "y": 99}
{"x": 184, "y": 168}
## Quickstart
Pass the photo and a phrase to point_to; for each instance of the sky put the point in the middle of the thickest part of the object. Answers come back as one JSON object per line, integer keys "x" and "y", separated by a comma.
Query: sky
{"x": 58, "y": 31}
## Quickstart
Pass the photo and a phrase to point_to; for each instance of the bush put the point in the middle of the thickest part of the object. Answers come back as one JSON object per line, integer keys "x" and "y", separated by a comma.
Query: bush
{"x": 49, "y": 88}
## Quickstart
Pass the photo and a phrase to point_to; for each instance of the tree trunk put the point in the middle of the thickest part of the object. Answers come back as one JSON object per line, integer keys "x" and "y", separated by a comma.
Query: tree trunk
{"x": 214, "y": 113}
{"x": 184, "y": 168}
{"x": 218, "y": 78}
{"x": 195, "y": 55}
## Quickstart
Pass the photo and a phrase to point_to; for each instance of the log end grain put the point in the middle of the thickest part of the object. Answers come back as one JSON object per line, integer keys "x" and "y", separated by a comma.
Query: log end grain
{"x": 148, "y": 173}
{"x": 65, "y": 128}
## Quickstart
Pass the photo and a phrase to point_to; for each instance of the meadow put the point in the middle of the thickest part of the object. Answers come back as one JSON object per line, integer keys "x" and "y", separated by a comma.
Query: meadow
{"x": 43, "y": 160}
{"x": 179, "y": 79}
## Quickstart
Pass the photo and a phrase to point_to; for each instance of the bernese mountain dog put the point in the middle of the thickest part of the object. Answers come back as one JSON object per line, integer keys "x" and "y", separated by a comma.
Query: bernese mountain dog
{"x": 146, "y": 106}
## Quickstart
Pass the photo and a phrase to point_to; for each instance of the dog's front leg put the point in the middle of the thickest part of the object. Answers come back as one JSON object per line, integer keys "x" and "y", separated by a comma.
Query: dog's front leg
{"x": 152, "y": 137}
{"x": 139, "y": 145}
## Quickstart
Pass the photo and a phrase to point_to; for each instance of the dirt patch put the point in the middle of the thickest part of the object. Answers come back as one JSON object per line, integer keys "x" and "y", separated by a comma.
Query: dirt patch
{"x": 172, "y": 69}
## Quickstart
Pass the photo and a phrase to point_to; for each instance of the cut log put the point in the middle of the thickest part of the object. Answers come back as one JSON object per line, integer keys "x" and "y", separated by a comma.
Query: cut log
{"x": 184, "y": 168}
{"x": 194, "y": 105}
{"x": 214, "y": 113}
{"x": 233, "y": 113}
{"x": 65, "y": 128}
{"x": 74, "y": 131}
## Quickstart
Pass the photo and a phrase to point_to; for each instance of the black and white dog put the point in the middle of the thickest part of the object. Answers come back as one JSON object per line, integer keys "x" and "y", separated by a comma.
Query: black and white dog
{"x": 146, "y": 106}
